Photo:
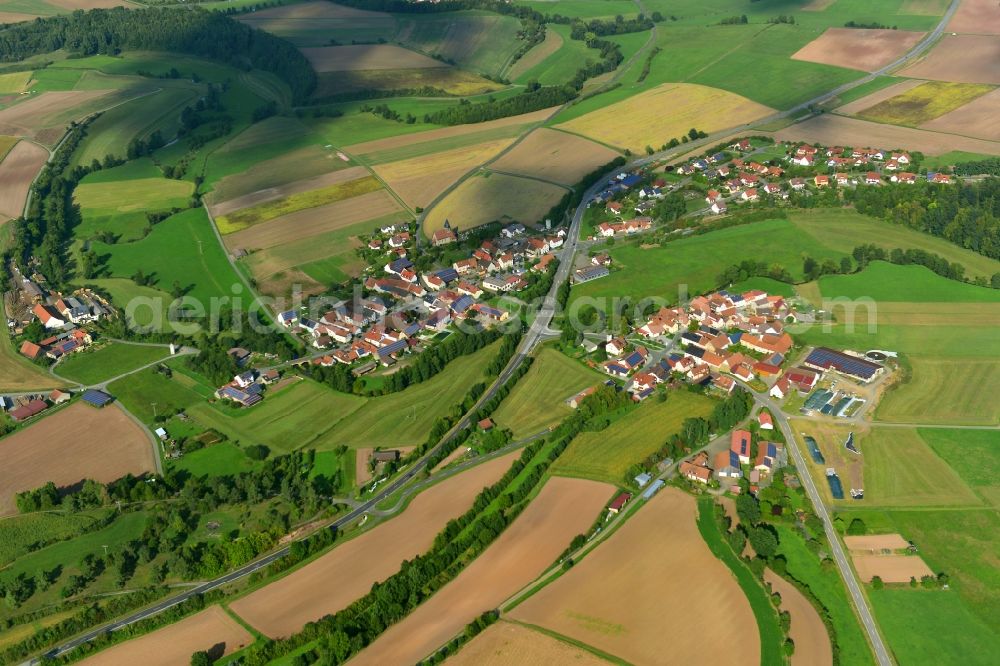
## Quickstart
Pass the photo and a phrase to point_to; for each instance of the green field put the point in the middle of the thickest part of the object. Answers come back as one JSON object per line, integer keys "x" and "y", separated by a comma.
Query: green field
{"x": 608, "y": 454}
{"x": 900, "y": 469}
{"x": 583, "y": 8}
{"x": 215, "y": 460}
{"x": 182, "y": 250}
{"x": 139, "y": 393}
{"x": 539, "y": 398}
{"x": 143, "y": 194}
{"x": 974, "y": 454}
{"x": 111, "y": 360}
{"x": 20, "y": 532}
{"x": 882, "y": 281}
{"x": 562, "y": 65}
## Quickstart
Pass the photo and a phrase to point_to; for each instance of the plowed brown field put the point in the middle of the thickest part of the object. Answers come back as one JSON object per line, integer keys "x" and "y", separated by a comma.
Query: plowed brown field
{"x": 346, "y": 573}
{"x": 553, "y": 155}
{"x": 976, "y": 17}
{"x": 564, "y": 508}
{"x": 211, "y": 630}
{"x": 17, "y": 170}
{"x": 271, "y": 193}
{"x": 32, "y": 116}
{"x": 313, "y": 221}
{"x": 891, "y": 568}
{"x": 854, "y": 48}
{"x": 657, "y": 566}
{"x": 872, "y": 542}
{"x": 507, "y": 644}
{"x": 812, "y": 642}
{"x": 979, "y": 118}
{"x": 78, "y": 442}
{"x": 960, "y": 58}
{"x": 369, "y": 56}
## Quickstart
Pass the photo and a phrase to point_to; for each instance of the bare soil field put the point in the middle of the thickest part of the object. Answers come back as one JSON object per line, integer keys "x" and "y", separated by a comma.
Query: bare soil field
{"x": 17, "y": 170}
{"x": 960, "y": 58}
{"x": 616, "y": 598}
{"x": 271, "y": 193}
{"x": 211, "y": 630}
{"x": 76, "y": 443}
{"x": 691, "y": 105}
{"x": 313, "y": 221}
{"x": 878, "y": 96}
{"x": 875, "y": 542}
{"x": 554, "y": 155}
{"x": 362, "y": 474}
{"x": 368, "y": 56}
{"x": 564, "y": 508}
{"x": 976, "y": 17}
{"x": 553, "y": 42}
{"x": 812, "y": 642}
{"x": 308, "y": 162}
{"x": 483, "y": 199}
{"x": 854, "y": 48}
{"x": 313, "y": 10}
{"x": 817, "y": 5}
{"x": 14, "y": 17}
{"x": 835, "y": 130}
{"x": 979, "y": 118}
{"x": 508, "y": 643}
{"x": 346, "y": 573}
{"x": 419, "y": 180}
{"x": 924, "y": 7}
{"x": 890, "y": 568}
{"x": 32, "y": 116}
{"x": 429, "y": 136}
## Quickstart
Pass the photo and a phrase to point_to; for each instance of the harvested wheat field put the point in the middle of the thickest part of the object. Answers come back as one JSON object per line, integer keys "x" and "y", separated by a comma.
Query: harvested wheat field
{"x": 331, "y": 582}
{"x": 979, "y": 118}
{"x": 291, "y": 167}
{"x": 271, "y": 193}
{"x": 890, "y": 568}
{"x": 564, "y": 508}
{"x": 32, "y": 116}
{"x": 14, "y": 17}
{"x": 431, "y": 137}
{"x": 368, "y": 56}
{"x": 976, "y": 17}
{"x": 871, "y": 543}
{"x": 211, "y": 630}
{"x": 691, "y": 105}
{"x": 854, "y": 48}
{"x": 313, "y": 221}
{"x": 17, "y": 171}
{"x": 960, "y": 58}
{"x": 419, "y": 180}
{"x": 616, "y": 598}
{"x": 508, "y": 643}
{"x": 812, "y": 642}
{"x": 490, "y": 197}
{"x": 879, "y": 96}
{"x": 554, "y": 155}
{"x": 834, "y": 130}
{"x": 76, "y": 443}
{"x": 536, "y": 55}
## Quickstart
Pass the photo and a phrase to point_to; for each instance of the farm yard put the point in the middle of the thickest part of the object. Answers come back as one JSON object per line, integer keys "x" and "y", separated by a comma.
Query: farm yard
{"x": 485, "y": 197}
{"x": 17, "y": 171}
{"x": 692, "y": 106}
{"x": 586, "y": 604}
{"x": 512, "y": 643}
{"x": 548, "y": 154}
{"x": 924, "y": 103}
{"x": 959, "y": 58}
{"x": 608, "y": 454}
{"x": 210, "y": 630}
{"x": 525, "y": 549}
{"x": 540, "y": 400}
{"x": 866, "y": 50}
{"x": 75, "y": 443}
{"x": 334, "y": 580}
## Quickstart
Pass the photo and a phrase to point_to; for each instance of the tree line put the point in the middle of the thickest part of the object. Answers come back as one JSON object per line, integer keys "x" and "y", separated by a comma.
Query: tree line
{"x": 188, "y": 30}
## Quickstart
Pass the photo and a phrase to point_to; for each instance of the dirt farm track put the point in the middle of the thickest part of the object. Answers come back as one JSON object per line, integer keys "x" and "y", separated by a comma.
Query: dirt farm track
{"x": 670, "y": 573}
{"x": 334, "y": 580}
{"x": 77, "y": 443}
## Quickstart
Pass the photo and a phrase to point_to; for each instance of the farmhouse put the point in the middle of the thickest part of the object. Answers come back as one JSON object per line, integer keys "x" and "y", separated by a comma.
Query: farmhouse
{"x": 765, "y": 421}
{"x": 727, "y": 465}
{"x": 575, "y": 400}
{"x": 443, "y": 237}
{"x": 48, "y": 316}
{"x": 618, "y": 503}
{"x": 693, "y": 472}
{"x": 26, "y": 411}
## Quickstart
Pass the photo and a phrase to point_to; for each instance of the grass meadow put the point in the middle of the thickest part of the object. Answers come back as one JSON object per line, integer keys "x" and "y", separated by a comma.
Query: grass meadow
{"x": 974, "y": 454}
{"x": 539, "y": 399}
{"x": 607, "y": 455}
{"x": 111, "y": 360}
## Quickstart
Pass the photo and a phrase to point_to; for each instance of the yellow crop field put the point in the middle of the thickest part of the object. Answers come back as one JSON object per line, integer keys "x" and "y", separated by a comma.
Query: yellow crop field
{"x": 14, "y": 82}
{"x": 554, "y": 155}
{"x": 924, "y": 103}
{"x": 295, "y": 202}
{"x": 494, "y": 197}
{"x": 419, "y": 180}
{"x": 665, "y": 112}
{"x": 6, "y": 143}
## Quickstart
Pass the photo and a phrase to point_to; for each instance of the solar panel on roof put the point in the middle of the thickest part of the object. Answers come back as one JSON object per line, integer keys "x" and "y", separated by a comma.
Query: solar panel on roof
{"x": 96, "y": 398}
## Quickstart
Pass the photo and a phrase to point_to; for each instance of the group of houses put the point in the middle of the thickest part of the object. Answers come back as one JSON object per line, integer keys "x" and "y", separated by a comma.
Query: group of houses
{"x": 247, "y": 388}
{"x": 743, "y": 181}
{"x": 61, "y": 316}
{"x": 24, "y": 407}
{"x": 738, "y": 460}
{"x": 722, "y": 336}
